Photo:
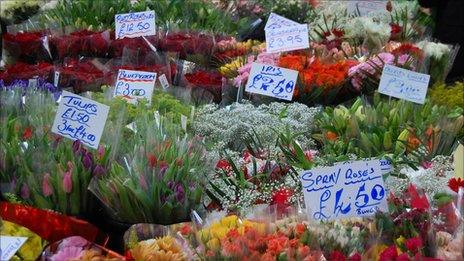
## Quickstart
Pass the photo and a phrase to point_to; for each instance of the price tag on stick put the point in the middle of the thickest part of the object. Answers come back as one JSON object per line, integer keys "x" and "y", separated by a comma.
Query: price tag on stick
{"x": 135, "y": 85}
{"x": 404, "y": 84}
{"x": 135, "y": 24}
{"x": 272, "y": 81}
{"x": 79, "y": 118}
{"x": 351, "y": 189}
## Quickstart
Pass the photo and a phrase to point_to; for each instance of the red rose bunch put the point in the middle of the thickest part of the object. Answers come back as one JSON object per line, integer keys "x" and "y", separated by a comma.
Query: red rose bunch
{"x": 24, "y": 71}
{"x": 83, "y": 42}
{"x": 207, "y": 80}
{"x": 28, "y": 47}
{"x": 141, "y": 45}
{"x": 81, "y": 75}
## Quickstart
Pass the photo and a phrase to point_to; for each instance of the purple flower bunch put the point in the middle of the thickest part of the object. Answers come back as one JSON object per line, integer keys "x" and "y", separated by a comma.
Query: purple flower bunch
{"x": 160, "y": 183}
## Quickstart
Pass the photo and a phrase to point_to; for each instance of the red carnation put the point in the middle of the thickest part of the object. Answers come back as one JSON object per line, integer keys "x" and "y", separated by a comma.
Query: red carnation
{"x": 281, "y": 196}
{"x": 223, "y": 164}
{"x": 337, "y": 256}
{"x": 403, "y": 257}
{"x": 395, "y": 30}
{"x": 355, "y": 257}
{"x": 414, "y": 244}
{"x": 389, "y": 254}
{"x": 417, "y": 201}
{"x": 455, "y": 183}
{"x": 27, "y": 134}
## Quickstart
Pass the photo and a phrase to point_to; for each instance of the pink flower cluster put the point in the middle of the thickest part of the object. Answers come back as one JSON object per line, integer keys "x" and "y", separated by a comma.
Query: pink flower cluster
{"x": 244, "y": 71}
{"x": 371, "y": 67}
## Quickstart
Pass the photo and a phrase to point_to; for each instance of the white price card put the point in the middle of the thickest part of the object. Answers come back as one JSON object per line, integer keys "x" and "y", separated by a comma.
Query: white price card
{"x": 458, "y": 160}
{"x": 135, "y": 24}
{"x": 79, "y": 118}
{"x": 56, "y": 78}
{"x": 164, "y": 81}
{"x": 276, "y": 21}
{"x": 10, "y": 245}
{"x": 287, "y": 39}
{"x": 366, "y": 7}
{"x": 272, "y": 81}
{"x": 135, "y": 85}
{"x": 349, "y": 189}
{"x": 283, "y": 34}
{"x": 404, "y": 84}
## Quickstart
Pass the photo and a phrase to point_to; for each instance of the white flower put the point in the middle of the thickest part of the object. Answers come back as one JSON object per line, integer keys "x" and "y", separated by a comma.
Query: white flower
{"x": 435, "y": 50}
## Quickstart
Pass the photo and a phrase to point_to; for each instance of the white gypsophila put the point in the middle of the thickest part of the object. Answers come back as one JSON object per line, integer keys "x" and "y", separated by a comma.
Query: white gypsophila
{"x": 230, "y": 127}
{"x": 432, "y": 180}
{"x": 435, "y": 50}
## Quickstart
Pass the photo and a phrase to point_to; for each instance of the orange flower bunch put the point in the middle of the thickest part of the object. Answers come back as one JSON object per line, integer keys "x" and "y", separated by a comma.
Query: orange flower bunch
{"x": 314, "y": 73}
{"x": 252, "y": 245}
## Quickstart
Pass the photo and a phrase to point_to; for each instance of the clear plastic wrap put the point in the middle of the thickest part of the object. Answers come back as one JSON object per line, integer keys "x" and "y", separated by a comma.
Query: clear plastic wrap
{"x": 80, "y": 43}
{"x": 26, "y": 43}
{"x": 83, "y": 74}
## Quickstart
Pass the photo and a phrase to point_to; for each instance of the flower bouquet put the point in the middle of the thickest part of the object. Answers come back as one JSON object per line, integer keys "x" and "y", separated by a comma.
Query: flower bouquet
{"x": 78, "y": 248}
{"x": 159, "y": 181}
{"x": 259, "y": 177}
{"x": 159, "y": 248}
{"x": 439, "y": 59}
{"x": 63, "y": 181}
{"x": 209, "y": 81}
{"x": 229, "y": 49}
{"x": 194, "y": 44}
{"x": 231, "y": 237}
{"x": 32, "y": 247}
{"x": 28, "y": 47}
{"x": 49, "y": 225}
{"x": 82, "y": 75}
{"x": 24, "y": 71}
{"x": 365, "y": 76}
{"x": 394, "y": 129}
{"x": 409, "y": 222}
{"x": 80, "y": 43}
{"x": 319, "y": 82}
{"x": 230, "y": 127}
{"x": 142, "y": 45}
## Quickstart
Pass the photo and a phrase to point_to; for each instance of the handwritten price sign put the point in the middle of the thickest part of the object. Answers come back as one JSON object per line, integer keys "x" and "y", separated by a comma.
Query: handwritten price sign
{"x": 283, "y": 34}
{"x": 404, "y": 84}
{"x": 79, "y": 118}
{"x": 272, "y": 81}
{"x": 135, "y": 85}
{"x": 345, "y": 190}
{"x": 135, "y": 24}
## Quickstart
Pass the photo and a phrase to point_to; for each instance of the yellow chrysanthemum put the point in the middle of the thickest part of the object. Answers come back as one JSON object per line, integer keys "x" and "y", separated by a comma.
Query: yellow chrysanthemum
{"x": 160, "y": 249}
{"x": 168, "y": 243}
{"x": 143, "y": 249}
